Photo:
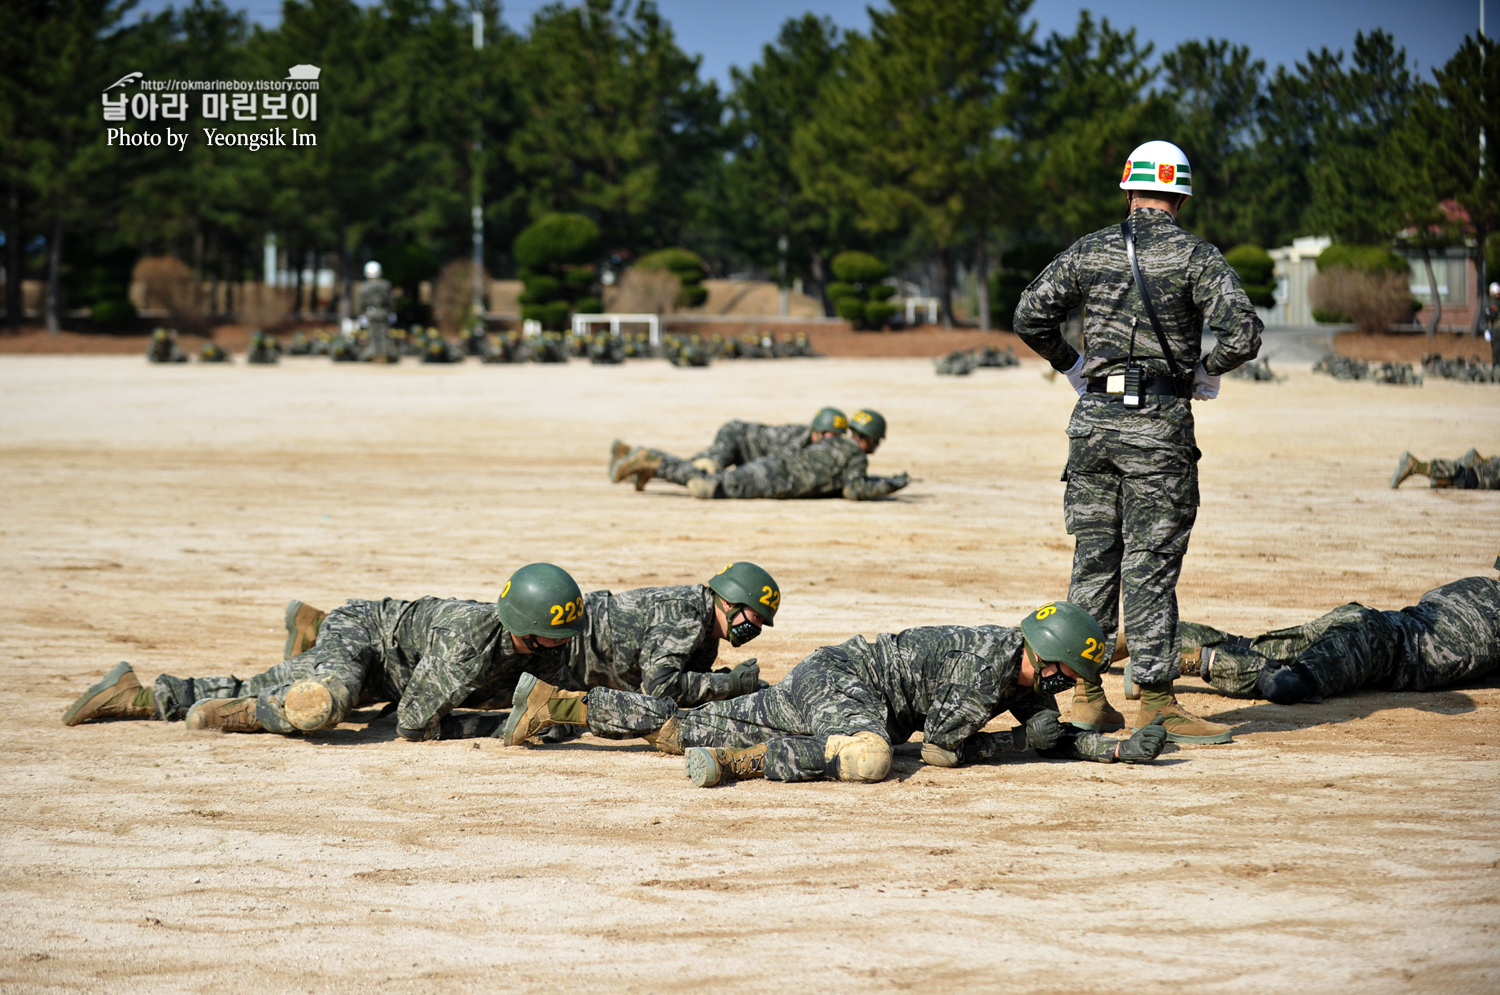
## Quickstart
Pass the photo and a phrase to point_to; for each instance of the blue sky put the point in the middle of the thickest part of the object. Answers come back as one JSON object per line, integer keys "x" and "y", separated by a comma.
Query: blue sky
{"x": 732, "y": 32}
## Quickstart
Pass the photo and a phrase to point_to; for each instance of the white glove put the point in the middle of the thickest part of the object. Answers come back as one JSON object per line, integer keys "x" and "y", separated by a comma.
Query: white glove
{"x": 1075, "y": 377}
{"x": 1205, "y": 384}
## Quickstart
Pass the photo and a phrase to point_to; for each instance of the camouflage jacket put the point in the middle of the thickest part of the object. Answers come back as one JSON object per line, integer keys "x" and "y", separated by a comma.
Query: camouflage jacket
{"x": 754, "y": 440}
{"x": 1456, "y": 628}
{"x": 437, "y": 653}
{"x": 830, "y": 467}
{"x": 1191, "y": 287}
{"x": 948, "y": 681}
{"x": 373, "y": 295}
{"x": 655, "y": 640}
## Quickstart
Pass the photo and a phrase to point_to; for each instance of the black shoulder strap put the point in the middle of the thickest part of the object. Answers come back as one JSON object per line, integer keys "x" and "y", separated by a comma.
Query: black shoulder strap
{"x": 1140, "y": 284}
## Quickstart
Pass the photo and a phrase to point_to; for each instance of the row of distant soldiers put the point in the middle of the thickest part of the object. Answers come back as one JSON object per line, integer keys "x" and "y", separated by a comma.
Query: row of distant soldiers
{"x": 966, "y": 361}
{"x": 1473, "y": 369}
{"x": 430, "y": 346}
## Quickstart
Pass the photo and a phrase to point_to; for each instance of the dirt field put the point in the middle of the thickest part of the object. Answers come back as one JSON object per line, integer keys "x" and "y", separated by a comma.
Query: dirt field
{"x": 165, "y": 514}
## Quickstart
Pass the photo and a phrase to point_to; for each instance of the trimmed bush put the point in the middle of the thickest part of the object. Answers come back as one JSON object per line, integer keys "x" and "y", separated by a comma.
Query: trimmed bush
{"x": 859, "y": 267}
{"x": 1257, "y": 273}
{"x": 851, "y": 309}
{"x": 113, "y": 314}
{"x": 588, "y": 305}
{"x": 838, "y": 290}
{"x": 556, "y": 254}
{"x": 1361, "y": 258}
{"x": 1329, "y": 316}
{"x": 882, "y": 292}
{"x": 877, "y": 313}
{"x": 1374, "y": 301}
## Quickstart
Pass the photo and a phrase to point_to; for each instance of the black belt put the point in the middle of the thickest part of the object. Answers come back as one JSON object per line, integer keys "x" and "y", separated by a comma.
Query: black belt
{"x": 1161, "y": 386}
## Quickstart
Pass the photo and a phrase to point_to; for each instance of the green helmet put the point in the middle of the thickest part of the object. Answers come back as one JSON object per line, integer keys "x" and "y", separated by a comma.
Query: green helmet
{"x": 743, "y": 583}
{"x": 541, "y": 600}
{"x": 868, "y": 423}
{"x": 1061, "y": 632}
{"x": 830, "y": 420}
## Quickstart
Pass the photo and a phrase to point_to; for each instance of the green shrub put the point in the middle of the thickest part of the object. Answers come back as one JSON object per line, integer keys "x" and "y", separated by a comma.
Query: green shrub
{"x": 859, "y": 267}
{"x": 579, "y": 276}
{"x": 556, "y": 240}
{"x": 1329, "y": 316}
{"x": 692, "y": 295}
{"x": 877, "y": 313}
{"x": 838, "y": 290}
{"x": 1257, "y": 273}
{"x": 1362, "y": 258}
{"x": 851, "y": 309}
{"x": 541, "y": 288}
{"x": 588, "y": 305}
{"x": 113, "y": 314}
{"x": 882, "y": 292}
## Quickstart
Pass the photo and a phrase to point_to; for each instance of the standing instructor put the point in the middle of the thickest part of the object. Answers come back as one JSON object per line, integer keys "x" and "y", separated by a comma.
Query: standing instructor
{"x": 1147, "y": 289}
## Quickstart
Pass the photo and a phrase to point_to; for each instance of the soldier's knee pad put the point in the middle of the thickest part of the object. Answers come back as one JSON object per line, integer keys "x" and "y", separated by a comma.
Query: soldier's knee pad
{"x": 707, "y": 464}
{"x": 861, "y": 757}
{"x": 313, "y": 704}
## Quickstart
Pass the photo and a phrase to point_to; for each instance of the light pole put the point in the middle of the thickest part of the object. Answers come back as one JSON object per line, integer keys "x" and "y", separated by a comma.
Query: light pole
{"x": 477, "y": 211}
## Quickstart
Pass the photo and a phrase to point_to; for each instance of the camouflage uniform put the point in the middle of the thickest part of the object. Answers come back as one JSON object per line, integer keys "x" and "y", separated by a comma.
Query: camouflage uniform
{"x": 1452, "y": 634}
{"x": 657, "y": 640}
{"x": 944, "y": 681}
{"x": 739, "y": 442}
{"x": 428, "y": 655}
{"x": 164, "y": 349}
{"x": 1466, "y": 474}
{"x": 373, "y": 302}
{"x": 831, "y": 467}
{"x": 1132, "y": 474}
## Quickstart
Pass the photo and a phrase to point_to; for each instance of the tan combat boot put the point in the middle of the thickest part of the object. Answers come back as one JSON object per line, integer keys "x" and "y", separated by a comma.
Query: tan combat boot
{"x": 667, "y": 739}
{"x": 537, "y": 705}
{"x": 117, "y": 695}
{"x": 1182, "y": 725}
{"x": 1092, "y": 711}
{"x": 641, "y": 464}
{"x": 225, "y": 715}
{"x": 302, "y": 625}
{"x": 707, "y": 766}
{"x": 1407, "y": 466}
{"x": 618, "y": 450}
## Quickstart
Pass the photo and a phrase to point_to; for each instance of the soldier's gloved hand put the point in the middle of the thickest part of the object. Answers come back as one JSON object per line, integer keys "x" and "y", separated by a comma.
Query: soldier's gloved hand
{"x": 899, "y": 481}
{"x": 1146, "y": 744}
{"x": 1075, "y": 376}
{"x": 744, "y": 678}
{"x": 937, "y": 756}
{"x": 1205, "y": 384}
{"x": 1042, "y": 731}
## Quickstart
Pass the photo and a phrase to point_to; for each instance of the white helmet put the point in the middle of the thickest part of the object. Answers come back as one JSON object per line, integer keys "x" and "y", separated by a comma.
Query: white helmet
{"x": 372, "y": 270}
{"x": 1159, "y": 166}
{"x": 1495, "y": 290}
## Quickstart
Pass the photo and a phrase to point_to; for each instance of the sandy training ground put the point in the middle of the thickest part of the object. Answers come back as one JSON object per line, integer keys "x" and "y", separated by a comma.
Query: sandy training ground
{"x": 164, "y": 515}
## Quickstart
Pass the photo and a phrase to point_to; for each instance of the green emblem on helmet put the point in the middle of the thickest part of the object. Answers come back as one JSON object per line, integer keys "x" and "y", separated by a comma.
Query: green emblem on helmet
{"x": 541, "y": 600}
{"x": 830, "y": 420}
{"x": 869, "y": 424}
{"x": 746, "y": 584}
{"x": 1061, "y": 632}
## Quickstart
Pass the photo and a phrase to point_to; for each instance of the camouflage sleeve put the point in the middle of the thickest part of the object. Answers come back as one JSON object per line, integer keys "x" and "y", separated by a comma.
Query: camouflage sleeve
{"x": 449, "y": 672}
{"x": 1226, "y": 309}
{"x": 665, "y": 652}
{"x": 1044, "y": 306}
{"x": 1079, "y": 745}
{"x": 858, "y": 486}
{"x": 960, "y": 708}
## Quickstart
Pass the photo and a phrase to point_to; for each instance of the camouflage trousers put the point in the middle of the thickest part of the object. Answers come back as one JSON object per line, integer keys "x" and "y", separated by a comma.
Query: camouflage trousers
{"x": 1480, "y": 474}
{"x": 818, "y": 699}
{"x": 349, "y": 648}
{"x": 675, "y": 469}
{"x": 1351, "y": 648}
{"x": 1130, "y": 509}
{"x": 762, "y": 478}
{"x": 728, "y": 447}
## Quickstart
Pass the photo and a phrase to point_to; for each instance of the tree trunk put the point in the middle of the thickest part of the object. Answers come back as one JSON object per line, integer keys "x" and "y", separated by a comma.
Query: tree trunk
{"x": 945, "y": 288}
{"x": 982, "y": 273}
{"x": 54, "y": 276}
{"x": 819, "y": 281}
{"x": 299, "y": 260}
{"x": 312, "y": 290}
{"x": 1481, "y": 290}
{"x": 1437, "y": 301}
{"x": 15, "y": 257}
{"x": 346, "y": 278}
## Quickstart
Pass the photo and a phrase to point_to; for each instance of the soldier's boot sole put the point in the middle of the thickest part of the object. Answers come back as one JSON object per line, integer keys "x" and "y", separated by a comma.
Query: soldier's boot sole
{"x": 225, "y": 715}
{"x": 528, "y": 712}
{"x": 302, "y": 625}
{"x": 1405, "y": 467}
{"x": 120, "y": 679}
{"x": 308, "y": 705}
{"x": 702, "y": 766}
{"x": 618, "y": 450}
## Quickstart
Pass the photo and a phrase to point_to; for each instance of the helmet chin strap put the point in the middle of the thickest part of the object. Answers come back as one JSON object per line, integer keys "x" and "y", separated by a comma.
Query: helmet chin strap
{"x": 738, "y": 633}
{"x": 1049, "y": 685}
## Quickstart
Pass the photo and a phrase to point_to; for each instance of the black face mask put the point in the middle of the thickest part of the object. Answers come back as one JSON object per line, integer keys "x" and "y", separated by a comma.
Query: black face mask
{"x": 744, "y": 630}
{"x": 1052, "y": 684}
